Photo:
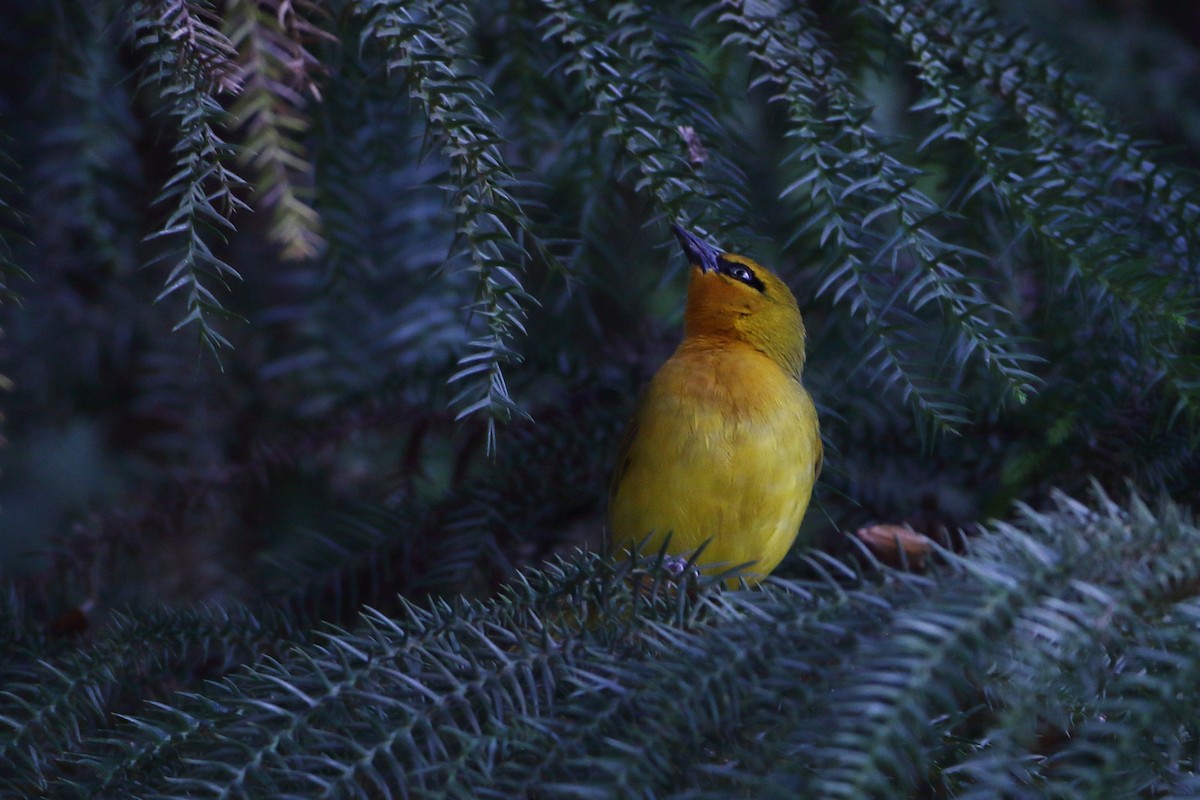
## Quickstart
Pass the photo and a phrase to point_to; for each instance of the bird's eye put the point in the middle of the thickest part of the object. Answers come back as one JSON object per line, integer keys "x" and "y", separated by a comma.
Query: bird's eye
{"x": 740, "y": 272}
{"x": 745, "y": 275}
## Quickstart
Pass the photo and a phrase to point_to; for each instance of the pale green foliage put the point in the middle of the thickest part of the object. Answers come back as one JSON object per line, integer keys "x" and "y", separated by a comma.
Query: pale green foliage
{"x": 275, "y": 68}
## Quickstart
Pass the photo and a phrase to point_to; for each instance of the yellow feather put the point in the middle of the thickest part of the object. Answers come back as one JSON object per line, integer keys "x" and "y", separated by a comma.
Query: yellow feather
{"x": 724, "y": 448}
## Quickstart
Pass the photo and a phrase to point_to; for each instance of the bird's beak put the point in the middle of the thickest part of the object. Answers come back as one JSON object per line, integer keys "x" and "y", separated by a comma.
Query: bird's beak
{"x": 699, "y": 253}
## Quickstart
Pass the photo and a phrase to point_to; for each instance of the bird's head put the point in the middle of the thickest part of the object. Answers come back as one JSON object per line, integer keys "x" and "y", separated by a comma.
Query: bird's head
{"x": 734, "y": 297}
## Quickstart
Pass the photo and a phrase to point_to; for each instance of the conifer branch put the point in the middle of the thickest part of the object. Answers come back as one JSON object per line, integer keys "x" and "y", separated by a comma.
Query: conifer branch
{"x": 856, "y": 191}
{"x": 581, "y": 677}
{"x": 49, "y": 709}
{"x": 277, "y": 71}
{"x": 89, "y": 173}
{"x": 427, "y": 42}
{"x": 1065, "y": 654}
{"x": 1064, "y": 120}
{"x": 624, "y": 75}
{"x": 191, "y": 63}
{"x": 1072, "y": 171}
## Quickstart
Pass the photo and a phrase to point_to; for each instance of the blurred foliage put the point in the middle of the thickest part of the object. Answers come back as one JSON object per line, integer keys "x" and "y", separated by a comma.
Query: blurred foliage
{"x": 310, "y": 305}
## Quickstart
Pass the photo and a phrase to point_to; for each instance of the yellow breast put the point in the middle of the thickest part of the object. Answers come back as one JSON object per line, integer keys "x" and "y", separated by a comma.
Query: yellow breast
{"x": 723, "y": 451}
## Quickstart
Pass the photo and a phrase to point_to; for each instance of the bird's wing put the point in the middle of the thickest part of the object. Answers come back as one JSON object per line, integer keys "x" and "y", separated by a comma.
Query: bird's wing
{"x": 627, "y": 438}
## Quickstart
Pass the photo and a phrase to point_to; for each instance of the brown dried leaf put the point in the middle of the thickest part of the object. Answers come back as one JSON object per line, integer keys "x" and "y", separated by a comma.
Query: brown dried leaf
{"x": 887, "y": 542}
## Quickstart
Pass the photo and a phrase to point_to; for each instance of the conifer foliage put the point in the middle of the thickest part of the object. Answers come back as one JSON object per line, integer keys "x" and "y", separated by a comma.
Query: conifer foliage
{"x": 322, "y": 319}
{"x": 1056, "y": 657}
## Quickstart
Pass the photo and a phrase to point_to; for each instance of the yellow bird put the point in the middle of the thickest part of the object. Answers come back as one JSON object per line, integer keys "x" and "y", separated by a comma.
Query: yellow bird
{"x": 724, "y": 447}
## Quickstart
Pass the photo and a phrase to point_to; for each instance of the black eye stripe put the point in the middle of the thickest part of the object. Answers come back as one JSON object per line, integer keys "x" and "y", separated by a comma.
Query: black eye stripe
{"x": 740, "y": 272}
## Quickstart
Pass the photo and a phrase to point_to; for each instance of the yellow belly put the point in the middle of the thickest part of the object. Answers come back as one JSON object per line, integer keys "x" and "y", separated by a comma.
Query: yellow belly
{"x": 724, "y": 452}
